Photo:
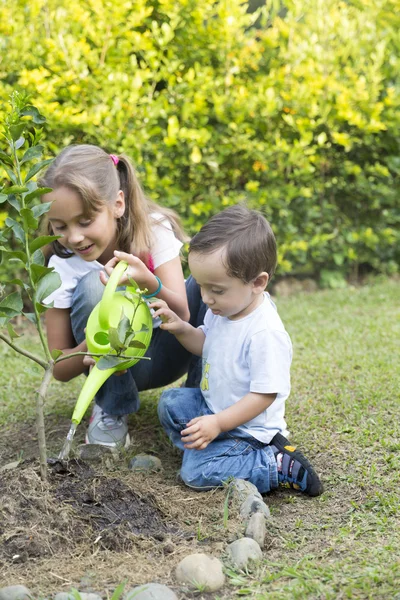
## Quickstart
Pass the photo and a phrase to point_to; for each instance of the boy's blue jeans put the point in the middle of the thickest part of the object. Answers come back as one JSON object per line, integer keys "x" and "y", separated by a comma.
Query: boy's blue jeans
{"x": 231, "y": 454}
{"x": 169, "y": 360}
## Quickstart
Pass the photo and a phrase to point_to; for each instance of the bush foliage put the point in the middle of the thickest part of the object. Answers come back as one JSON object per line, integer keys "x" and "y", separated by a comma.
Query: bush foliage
{"x": 294, "y": 107}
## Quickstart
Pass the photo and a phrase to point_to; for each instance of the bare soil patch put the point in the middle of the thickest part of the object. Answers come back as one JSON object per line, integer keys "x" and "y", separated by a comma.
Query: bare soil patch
{"x": 93, "y": 526}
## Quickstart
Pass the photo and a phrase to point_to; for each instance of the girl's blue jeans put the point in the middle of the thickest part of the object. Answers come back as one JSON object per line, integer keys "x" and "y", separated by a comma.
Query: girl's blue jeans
{"x": 231, "y": 454}
{"x": 169, "y": 360}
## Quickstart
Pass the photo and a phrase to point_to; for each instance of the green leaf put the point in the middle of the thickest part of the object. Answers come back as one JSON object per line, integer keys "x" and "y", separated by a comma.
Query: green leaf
{"x": 7, "y": 159}
{"x": 56, "y": 353}
{"x": 29, "y": 220}
{"x": 115, "y": 342}
{"x": 16, "y": 131}
{"x": 12, "y": 303}
{"x": 136, "y": 344}
{"x": 109, "y": 362}
{"x": 32, "y": 111}
{"x": 11, "y": 332}
{"x": 38, "y": 258}
{"x": 11, "y": 175}
{"x": 47, "y": 285}
{"x": 41, "y": 308}
{"x": 3, "y": 198}
{"x": 39, "y": 271}
{"x": 41, "y": 241}
{"x": 23, "y": 284}
{"x": 16, "y": 189}
{"x": 36, "y": 168}
{"x": 124, "y": 326}
{"x": 17, "y": 229}
{"x": 32, "y": 153}
{"x": 19, "y": 254}
{"x": 15, "y": 203}
{"x": 20, "y": 142}
{"x": 42, "y": 208}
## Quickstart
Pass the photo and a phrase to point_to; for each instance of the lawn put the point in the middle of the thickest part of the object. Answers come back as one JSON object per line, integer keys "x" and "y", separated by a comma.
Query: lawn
{"x": 343, "y": 412}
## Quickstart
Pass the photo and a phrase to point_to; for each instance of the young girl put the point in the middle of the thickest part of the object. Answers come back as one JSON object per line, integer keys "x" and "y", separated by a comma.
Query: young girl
{"x": 98, "y": 207}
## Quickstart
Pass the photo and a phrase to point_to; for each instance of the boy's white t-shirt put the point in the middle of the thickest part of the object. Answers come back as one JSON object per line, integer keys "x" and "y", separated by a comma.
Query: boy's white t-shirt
{"x": 252, "y": 354}
{"x": 71, "y": 270}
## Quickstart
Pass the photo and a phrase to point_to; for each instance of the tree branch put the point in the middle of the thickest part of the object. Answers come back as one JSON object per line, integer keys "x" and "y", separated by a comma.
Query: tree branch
{"x": 26, "y": 353}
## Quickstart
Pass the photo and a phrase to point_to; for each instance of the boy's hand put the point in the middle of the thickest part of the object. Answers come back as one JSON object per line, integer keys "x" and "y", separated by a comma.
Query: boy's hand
{"x": 170, "y": 321}
{"x": 200, "y": 431}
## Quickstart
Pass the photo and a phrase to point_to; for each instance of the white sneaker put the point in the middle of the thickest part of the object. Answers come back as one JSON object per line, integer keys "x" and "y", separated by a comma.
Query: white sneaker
{"x": 107, "y": 430}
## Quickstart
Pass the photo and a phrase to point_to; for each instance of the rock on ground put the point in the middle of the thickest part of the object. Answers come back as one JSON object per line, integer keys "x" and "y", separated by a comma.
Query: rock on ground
{"x": 83, "y": 595}
{"x": 145, "y": 462}
{"x": 200, "y": 571}
{"x": 151, "y": 591}
{"x": 256, "y": 528}
{"x": 242, "y": 488}
{"x": 243, "y": 551}
{"x": 15, "y": 592}
{"x": 253, "y": 504}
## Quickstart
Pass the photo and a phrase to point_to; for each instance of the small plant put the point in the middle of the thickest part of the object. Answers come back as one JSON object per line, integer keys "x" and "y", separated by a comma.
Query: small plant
{"x": 18, "y": 241}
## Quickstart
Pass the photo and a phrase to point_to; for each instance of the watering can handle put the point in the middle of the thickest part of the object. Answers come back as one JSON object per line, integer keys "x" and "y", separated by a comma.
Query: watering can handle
{"x": 109, "y": 291}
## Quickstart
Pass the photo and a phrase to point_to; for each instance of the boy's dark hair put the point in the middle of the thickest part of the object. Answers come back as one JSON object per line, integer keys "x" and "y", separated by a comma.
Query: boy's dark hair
{"x": 248, "y": 238}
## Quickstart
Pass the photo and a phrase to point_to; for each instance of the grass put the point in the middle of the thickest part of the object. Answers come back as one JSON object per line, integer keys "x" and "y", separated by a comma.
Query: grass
{"x": 343, "y": 411}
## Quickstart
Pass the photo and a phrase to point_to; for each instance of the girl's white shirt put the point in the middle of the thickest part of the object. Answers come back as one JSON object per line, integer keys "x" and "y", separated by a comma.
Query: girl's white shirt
{"x": 71, "y": 270}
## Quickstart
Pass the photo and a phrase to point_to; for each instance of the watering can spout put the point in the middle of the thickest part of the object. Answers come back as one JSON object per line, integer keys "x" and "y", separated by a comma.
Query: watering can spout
{"x": 93, "y": 383}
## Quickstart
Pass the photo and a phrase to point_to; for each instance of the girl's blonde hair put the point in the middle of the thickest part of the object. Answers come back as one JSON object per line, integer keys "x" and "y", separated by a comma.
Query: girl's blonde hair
{"x": 92, "y": 174}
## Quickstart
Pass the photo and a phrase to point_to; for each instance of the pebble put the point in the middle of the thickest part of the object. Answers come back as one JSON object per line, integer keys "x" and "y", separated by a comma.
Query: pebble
{"x": 243, "y": 551}
{"x": 242, "y": 488}
{"x": 151, "y": 591}
{"x": 15, "y": 592}
{"x": 253, "y": 504}
{"x": 145, "y": 462}
{"x": 256, "y": 528}
{"x": 83, "y": 595}
{"x": 94, "y": 452}
{"x": 201, "y": 572}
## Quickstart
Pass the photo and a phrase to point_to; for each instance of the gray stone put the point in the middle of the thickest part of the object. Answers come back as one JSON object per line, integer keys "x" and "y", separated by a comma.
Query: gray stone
{"x": 151, "y": 591}
{"x": 256, "y": 528}
{"x": 201, "y": 572}
{"x": 94, "y": 452}
{"x": 15, "y": 592}
{"x": 83, "y": 595}
{"x": 251, "y": 505}
{"x": 145, "y": 462}
{"x": 242, "y": 488}
{"x": 243, "y": 551}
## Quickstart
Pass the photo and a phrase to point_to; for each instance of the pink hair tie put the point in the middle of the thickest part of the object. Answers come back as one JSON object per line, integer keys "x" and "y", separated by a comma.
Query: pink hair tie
{"x": 115, "y": 159}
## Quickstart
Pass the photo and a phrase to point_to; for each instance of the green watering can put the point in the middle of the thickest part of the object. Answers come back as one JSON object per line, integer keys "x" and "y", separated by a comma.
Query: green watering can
{"x": 107, "y": 313}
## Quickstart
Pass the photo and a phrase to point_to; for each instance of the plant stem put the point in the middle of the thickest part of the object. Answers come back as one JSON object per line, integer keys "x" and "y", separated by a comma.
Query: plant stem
{"x": 26, "y": 353}
{"x": 29, "y": 261}
{"x": 40, "y": 398}
{"x": 65, "y": 356}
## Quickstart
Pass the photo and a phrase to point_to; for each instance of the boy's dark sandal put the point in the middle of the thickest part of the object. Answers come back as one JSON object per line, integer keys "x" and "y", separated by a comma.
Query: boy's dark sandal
{"x": 296, "y": 472}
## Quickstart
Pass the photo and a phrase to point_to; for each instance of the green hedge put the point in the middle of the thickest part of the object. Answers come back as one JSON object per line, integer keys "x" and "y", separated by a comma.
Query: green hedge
{"x": 294, "y": 108}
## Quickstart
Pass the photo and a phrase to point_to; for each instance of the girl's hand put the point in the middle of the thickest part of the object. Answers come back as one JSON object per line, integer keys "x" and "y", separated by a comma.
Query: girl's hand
{"x": 88, "y": 361}
{"x": 170, "y": 321}
{"x": 136, "y": 270}
{"x": 200, "y": 431}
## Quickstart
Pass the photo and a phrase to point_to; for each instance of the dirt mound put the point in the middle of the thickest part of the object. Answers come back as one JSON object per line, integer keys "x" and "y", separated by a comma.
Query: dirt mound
{"x": 76, "y": 507}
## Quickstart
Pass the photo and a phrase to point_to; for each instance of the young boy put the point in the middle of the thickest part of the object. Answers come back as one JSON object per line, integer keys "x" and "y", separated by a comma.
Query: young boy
{"x": 234, "y": 424}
